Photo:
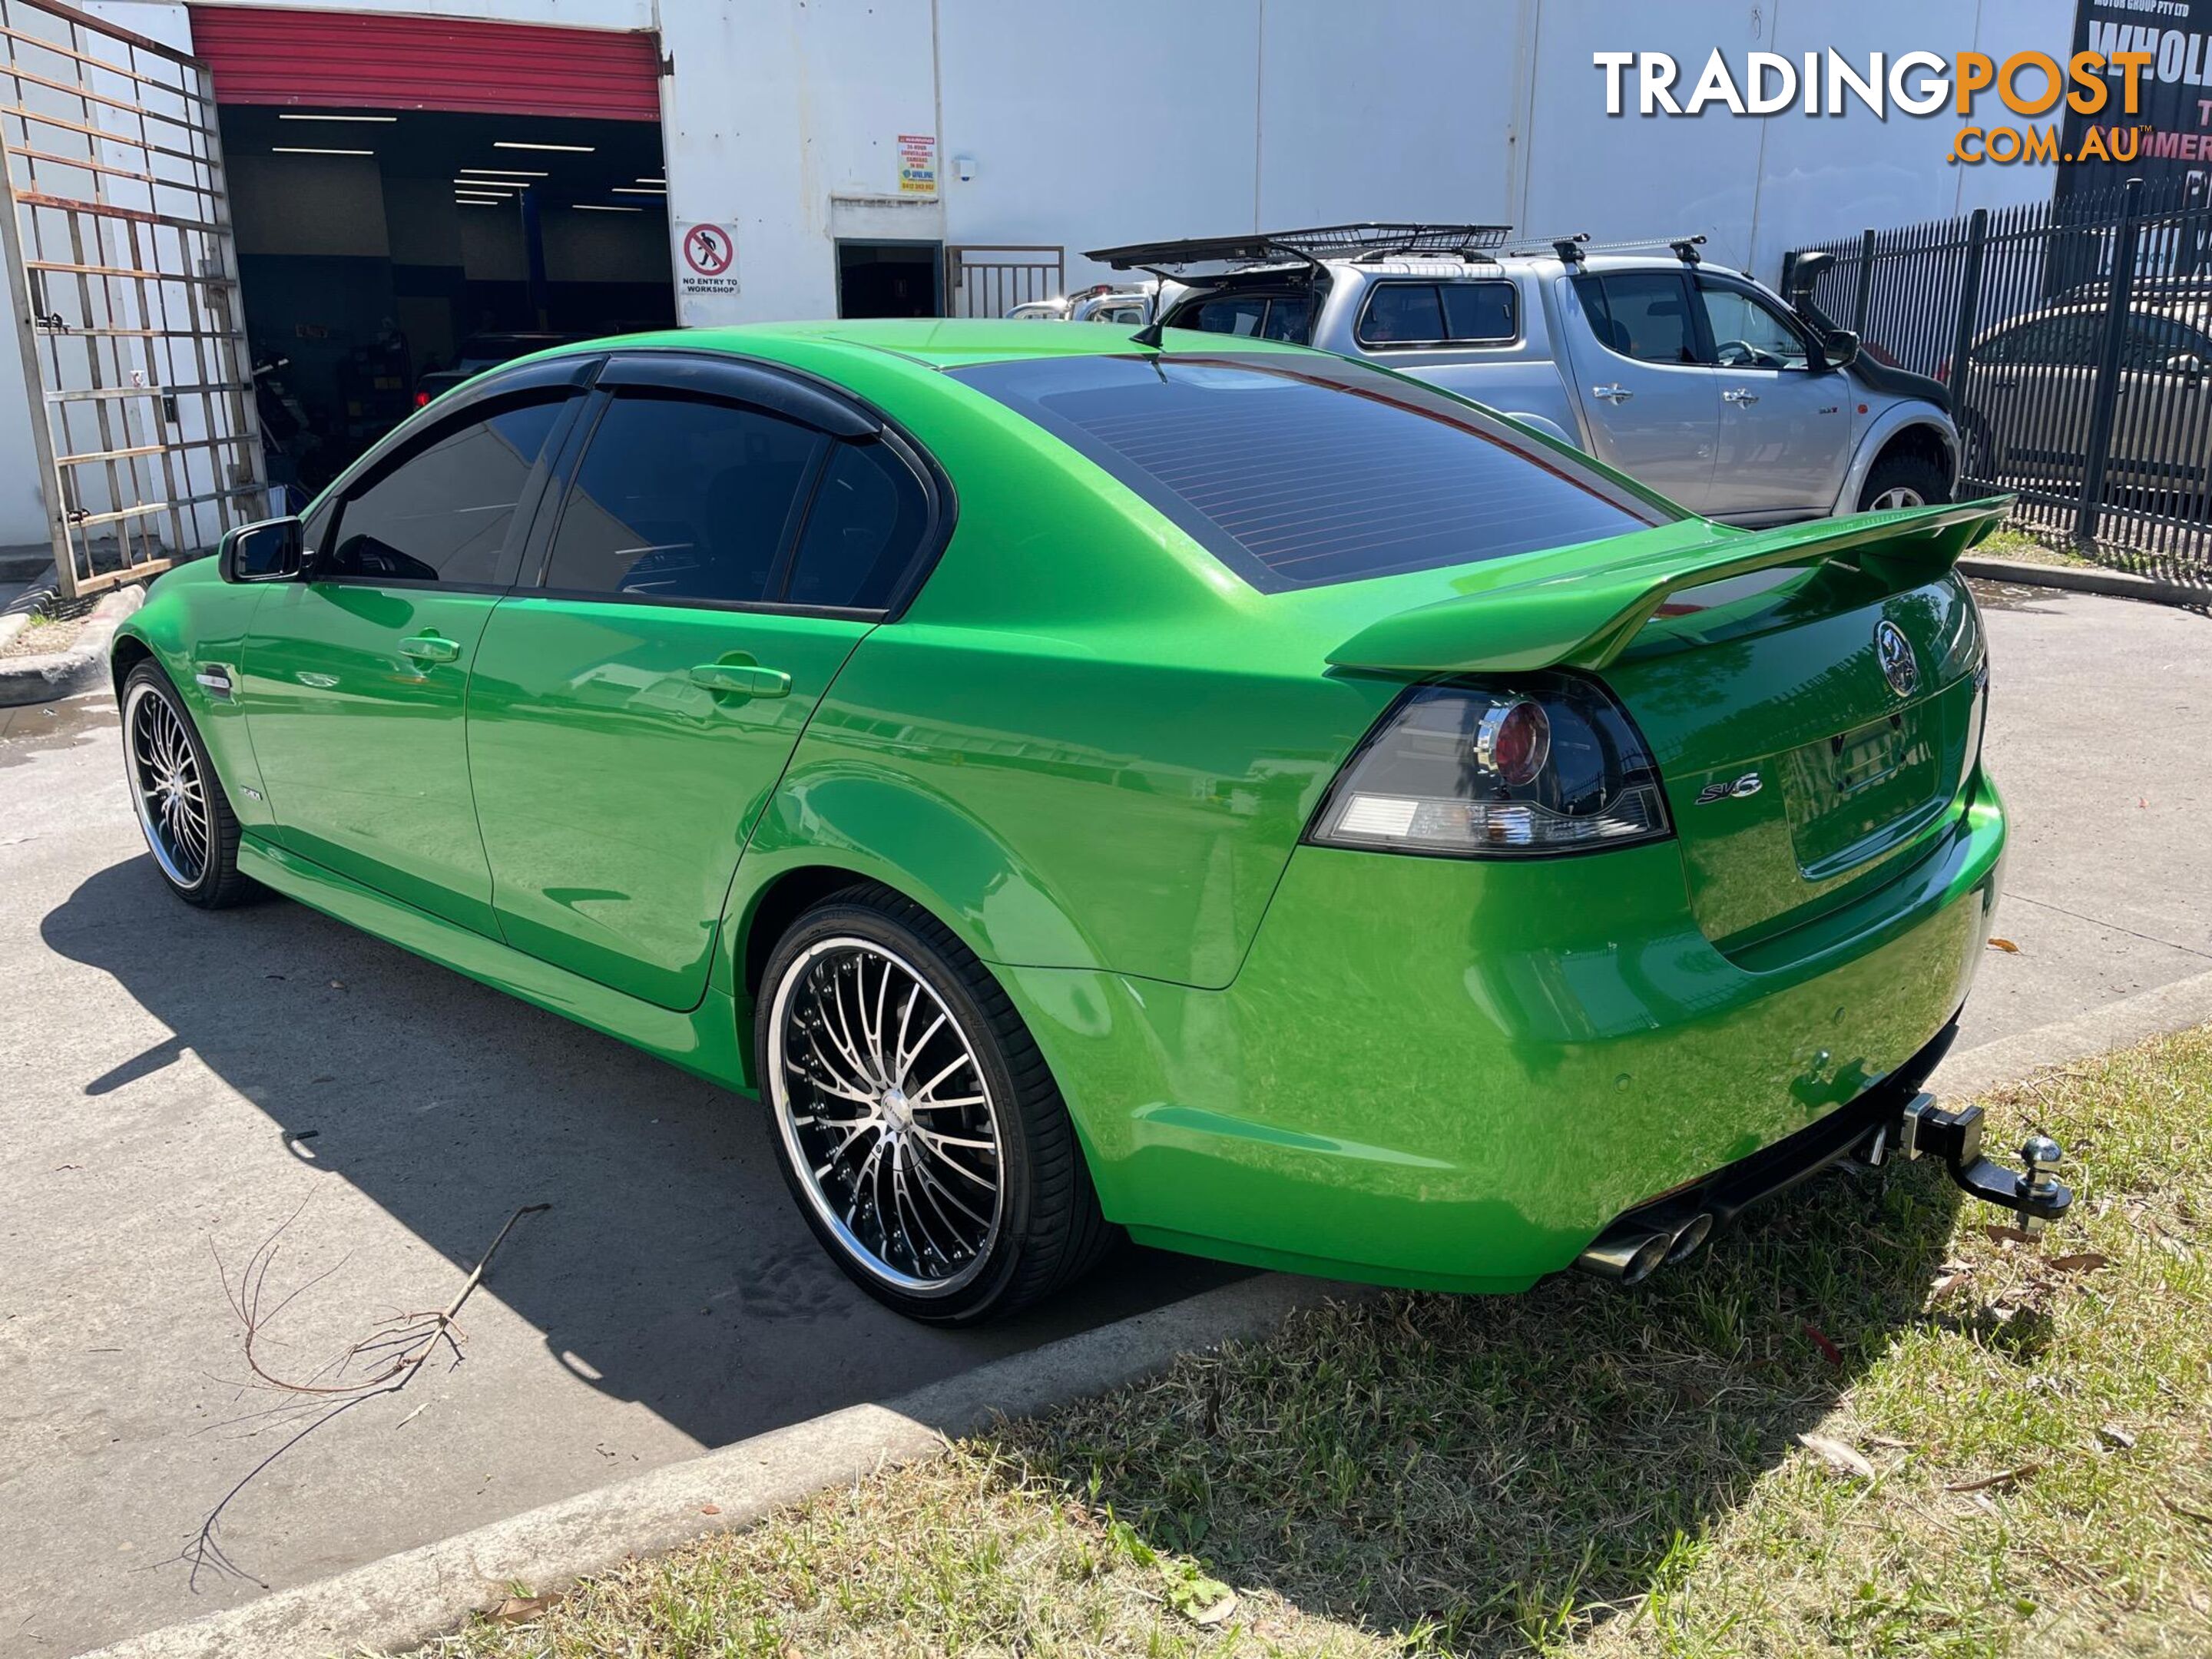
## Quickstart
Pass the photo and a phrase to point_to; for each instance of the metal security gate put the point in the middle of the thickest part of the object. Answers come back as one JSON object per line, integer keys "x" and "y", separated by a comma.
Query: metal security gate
{"x": 125, "y": 284}
{"x": 2076, "y": 339}
{"x": 990, "y": 282}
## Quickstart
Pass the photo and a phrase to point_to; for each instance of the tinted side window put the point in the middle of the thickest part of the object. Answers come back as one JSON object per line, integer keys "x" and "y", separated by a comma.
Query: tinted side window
{"x": 445, "y": 513}
{"x": 1399, "y": 314}
{"x": 1479, "y": 311}
{"x": 680, "y": 499}
{"x": 862, "y": 531}
{"x": 1641, "y": 314}
{"x": 1406, "y": 313}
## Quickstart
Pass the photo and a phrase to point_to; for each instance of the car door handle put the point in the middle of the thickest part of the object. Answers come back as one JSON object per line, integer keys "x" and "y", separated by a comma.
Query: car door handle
{"x": 1740, "y": 395}
{"x": 428, "y": 647}
{"x": 745, "y": 679}
{"x": 1612, "y": 394}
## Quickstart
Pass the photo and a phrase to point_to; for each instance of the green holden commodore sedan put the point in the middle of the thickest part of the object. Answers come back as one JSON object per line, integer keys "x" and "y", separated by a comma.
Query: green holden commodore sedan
{"x": 1214, "y": 791}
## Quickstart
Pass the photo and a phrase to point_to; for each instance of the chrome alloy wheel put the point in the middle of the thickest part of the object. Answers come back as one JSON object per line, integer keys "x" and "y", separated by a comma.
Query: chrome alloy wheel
{"x": 886, "y": 1114}
{"x": 166, "y": 785}
{"x": 1900, "y": 496}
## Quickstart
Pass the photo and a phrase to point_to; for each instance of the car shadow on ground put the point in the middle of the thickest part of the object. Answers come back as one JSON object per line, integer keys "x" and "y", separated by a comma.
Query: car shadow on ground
{"x": 1496, "y": 1473}
{"x": 673, "y": 1269}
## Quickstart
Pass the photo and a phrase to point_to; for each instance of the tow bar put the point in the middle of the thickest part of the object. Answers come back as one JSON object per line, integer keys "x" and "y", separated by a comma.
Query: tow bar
{"x": 2038, "y": 1197}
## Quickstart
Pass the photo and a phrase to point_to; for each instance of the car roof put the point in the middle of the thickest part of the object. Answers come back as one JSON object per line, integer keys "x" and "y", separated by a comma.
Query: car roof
{"x": 933, "y": 342}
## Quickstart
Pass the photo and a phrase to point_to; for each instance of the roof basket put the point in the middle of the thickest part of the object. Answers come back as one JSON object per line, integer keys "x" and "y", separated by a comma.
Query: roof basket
{"x": 1311, "y": 247}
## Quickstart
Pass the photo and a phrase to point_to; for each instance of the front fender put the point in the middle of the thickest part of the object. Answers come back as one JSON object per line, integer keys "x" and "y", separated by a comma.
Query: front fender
{"x": 193, "y": 620}
{"x": 1885, "y": 425}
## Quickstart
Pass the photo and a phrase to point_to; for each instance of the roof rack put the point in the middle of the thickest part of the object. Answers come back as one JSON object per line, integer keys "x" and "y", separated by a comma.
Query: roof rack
{"x": 1573, "y": 250}
{"x": 1309, "y": 247}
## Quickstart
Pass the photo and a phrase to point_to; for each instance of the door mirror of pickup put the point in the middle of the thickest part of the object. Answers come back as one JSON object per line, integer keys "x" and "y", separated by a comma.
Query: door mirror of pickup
{"x": 1840, "y": 348}
{"x": 267, "y": 551}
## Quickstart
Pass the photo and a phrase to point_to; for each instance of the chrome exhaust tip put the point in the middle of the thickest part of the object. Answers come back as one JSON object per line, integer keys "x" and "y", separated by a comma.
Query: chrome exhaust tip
{"x": 1690, "y": 1238}
{"x": 1627, "y": 1257}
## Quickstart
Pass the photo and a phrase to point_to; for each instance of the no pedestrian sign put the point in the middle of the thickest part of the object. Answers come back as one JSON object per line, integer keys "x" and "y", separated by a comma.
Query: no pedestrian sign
{"x": 706, "y": 258}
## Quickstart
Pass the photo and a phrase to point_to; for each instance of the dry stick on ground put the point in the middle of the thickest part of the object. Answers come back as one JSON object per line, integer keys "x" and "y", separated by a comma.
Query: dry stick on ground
{"x": 398, "y": 1345}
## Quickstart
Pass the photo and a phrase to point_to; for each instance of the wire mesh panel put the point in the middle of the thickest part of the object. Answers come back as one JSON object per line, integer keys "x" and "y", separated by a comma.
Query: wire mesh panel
{"x": 990, "y": 282}
{"x": 125, "y": 281}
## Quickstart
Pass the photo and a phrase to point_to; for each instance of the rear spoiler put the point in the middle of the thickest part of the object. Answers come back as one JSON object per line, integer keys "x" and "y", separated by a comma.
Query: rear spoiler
{"x": 1581, "y": 609}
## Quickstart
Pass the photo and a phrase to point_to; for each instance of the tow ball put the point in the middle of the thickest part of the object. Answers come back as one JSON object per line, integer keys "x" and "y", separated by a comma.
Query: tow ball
{"x": 2036, "y": 1195}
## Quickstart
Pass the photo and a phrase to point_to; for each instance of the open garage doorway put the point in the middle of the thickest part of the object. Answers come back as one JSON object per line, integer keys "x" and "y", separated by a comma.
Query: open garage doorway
{"x": 388, "y": 247}
{"x": 889, "y": 279}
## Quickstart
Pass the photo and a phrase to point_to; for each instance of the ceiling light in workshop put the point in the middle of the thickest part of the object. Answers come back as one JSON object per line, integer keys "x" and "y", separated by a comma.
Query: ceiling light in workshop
{"x": 294, "y": 115}
{"x": 311, "y": 149}
{"x": 604, "y": 207}
{"x": 634, "y": 190}
{"x": 505, "y": 172}
{"x": 477, "y": 201}
{"x": 516, "y": 143}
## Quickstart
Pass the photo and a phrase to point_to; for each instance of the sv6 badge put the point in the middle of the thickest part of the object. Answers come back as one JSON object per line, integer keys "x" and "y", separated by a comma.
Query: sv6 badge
{"x": 1730, "y": 789}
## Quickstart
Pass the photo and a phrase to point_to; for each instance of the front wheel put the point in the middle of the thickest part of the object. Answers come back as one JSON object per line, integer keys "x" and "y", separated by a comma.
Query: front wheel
{"x": 915, "y": 1122}
{"x": 1904, "y": 480}
{"x": 182, "y": 810}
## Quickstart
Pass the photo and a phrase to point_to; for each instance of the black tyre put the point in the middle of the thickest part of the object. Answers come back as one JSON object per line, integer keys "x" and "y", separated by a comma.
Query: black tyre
{"x": 186, "y": 819}
{"x": 916, "y": 1122}
{"x": 1903, "y": 478}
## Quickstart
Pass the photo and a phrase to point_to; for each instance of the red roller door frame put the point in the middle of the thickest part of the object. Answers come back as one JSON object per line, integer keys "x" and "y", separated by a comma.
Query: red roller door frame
{"x": 344, "y": 60}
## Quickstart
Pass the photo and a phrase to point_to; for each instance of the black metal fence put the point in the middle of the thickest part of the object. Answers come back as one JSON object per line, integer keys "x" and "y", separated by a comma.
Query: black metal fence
{"x": 2076, "y": 336}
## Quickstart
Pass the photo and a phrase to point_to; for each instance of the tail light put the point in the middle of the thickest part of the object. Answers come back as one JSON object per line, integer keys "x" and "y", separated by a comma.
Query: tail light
{"x": 1545, "y": 764}
{"x": 421, "y": 400}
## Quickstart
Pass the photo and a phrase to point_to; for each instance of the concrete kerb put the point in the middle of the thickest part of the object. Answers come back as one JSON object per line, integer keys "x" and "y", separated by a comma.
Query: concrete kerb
{"x": 62, "y": 673}
{"x": 2083, "y": 579}
{"x": 408, "y": 1598}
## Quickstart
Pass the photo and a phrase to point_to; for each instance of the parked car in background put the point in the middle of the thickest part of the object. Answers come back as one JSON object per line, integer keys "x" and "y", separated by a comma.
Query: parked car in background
{"x": 480, "y": 352}
{"x": 1422, "y": 855}
{"x": 1694, "y": 379}
{"x": 2032, "y": 395}
{"x": 1106, "y": 303}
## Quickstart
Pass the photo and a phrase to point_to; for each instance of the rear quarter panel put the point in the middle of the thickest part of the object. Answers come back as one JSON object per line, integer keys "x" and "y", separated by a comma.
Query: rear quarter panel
{"x": 1086, "y": 744}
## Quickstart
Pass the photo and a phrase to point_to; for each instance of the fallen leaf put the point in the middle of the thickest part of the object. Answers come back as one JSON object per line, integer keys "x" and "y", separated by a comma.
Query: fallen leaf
{"x": 710, "y": 1509}
{"x": 1947, "y": 1283}
{"x": 1201, "y": 1599}
{"x": 2003, "y": 1480}
{"x": 1890, "y": 1442}
{"x": 2113, "y": 1435}
{"x": 2006, "y": 945}
{"x": 1845, "y": 1460}
{"x": 2002, "y": 1235}
{"x": 2081, "y": 1261}
{"x": 519, "y": 1609}
{"x": 1829, "y": 1351}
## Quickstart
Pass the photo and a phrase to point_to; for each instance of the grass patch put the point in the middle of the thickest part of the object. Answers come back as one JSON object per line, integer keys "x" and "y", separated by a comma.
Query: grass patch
{"x": 2013, "y": 1457}
{"x": 2012, "y": 543}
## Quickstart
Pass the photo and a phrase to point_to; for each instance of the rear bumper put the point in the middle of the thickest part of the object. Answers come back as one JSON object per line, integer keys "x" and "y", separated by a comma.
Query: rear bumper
{"x": 1454, "y": 1074}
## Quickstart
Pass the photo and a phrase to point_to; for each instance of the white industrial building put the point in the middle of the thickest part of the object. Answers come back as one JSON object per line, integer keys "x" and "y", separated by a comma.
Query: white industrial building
{"x": 926, "y": 155}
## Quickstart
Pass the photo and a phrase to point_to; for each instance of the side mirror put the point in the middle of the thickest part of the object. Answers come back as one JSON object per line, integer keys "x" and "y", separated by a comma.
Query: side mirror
{"x": 267, "y": 551}
{"x": 1840, "y": 347}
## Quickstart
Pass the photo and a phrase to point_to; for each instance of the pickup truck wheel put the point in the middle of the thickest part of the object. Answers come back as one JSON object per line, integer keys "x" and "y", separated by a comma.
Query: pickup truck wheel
{"x": 182, "y": 810}
{"x": 1904, "y": 479}
{"x": 915, "y": 1122}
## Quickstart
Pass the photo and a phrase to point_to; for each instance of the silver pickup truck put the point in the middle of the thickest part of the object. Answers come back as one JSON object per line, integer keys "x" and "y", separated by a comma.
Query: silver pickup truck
{"x": 1694, "y": 379}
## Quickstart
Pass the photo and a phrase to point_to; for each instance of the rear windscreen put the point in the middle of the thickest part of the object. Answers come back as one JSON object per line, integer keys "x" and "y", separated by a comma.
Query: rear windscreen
{"x": 1297, "y": 470}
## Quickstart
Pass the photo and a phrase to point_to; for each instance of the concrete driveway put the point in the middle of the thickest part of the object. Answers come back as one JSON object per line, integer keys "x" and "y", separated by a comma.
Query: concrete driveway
{"x": 175, "y": 1089}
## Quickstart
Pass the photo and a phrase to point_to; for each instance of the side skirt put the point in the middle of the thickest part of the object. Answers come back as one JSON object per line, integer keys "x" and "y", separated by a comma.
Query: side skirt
{"x": 702, "y": 1040}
